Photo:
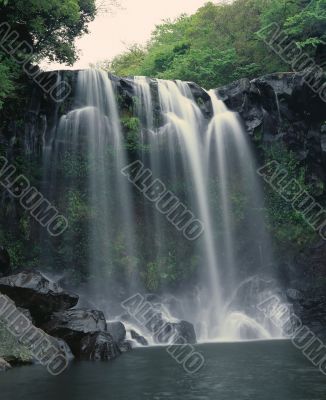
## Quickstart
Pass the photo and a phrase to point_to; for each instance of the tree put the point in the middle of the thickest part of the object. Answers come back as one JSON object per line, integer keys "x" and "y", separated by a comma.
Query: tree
{"x": 6, "y": 84}
{"x": 48, "y": 29}
{"x": 308, "y": 28}
{"x": 219, "y": 43}
{"x": 127, "y": 63}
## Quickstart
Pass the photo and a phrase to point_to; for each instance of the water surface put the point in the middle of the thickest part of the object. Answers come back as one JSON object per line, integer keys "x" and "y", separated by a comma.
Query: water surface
{"x": 272, "y": 370}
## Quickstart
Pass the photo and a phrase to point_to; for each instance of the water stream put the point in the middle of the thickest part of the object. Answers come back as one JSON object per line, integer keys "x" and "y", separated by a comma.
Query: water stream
{"x": 207, "y": 162}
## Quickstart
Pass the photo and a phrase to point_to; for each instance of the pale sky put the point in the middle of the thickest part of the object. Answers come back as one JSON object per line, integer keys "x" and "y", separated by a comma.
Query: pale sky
{"x": 111, "y": 34}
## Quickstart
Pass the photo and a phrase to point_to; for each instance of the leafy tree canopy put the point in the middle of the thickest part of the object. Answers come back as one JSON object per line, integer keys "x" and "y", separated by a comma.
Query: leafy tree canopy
{"x": 50, "y": 28}
{"x": 219, "y": 43}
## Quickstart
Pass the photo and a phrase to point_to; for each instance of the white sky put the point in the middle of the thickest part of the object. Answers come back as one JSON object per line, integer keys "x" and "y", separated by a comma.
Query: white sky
{"x": 111, "y": 34}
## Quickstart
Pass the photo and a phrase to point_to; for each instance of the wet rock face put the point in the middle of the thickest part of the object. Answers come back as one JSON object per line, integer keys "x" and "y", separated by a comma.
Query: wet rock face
{"x": 35, "y": 292}
{"x": 125, "y": 346}
{"x": 202, "y": 99}
{"x": 306, "y": 287}
{"x": 139, "y": 338}
{"x": 4, "y": 365}
{"x": 64, "y": 349}
{"x": 178, "y": 332}
{"x": 117, "y": 331}
{"x": 280, "y": 94}
{"x": 86, "y": 333}
{"x": 77, "y": 328}
{"x": 67, "y": 324}
{"x": 310, "y": 307}
{"x": 78, "y": 333}
{"x": 282, "y": 108}
{"x": 185, "y": 330}
{"x": 98, "y": 346}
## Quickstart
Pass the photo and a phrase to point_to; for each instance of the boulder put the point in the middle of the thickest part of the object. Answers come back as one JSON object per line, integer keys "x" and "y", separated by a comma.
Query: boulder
{"x": 125, "y": 346}
{"x": 98, "y": 346}
{"x": 282, "y": 108}
{"x": 60, "y": 346}
{"x": 117, "y": 330}
{"x": 37, "y": 293}
{"x": 67, "y": 324}
{"x": 5, "y": 268}
{"x": 78, "y": 329}
{"x": 162, "y": 329}
{"x": 185, "y": 330}
{"x": 178, "y": 332}
{"x": 33, "y": 345}
{"x": 139, "y": 338}
{"x": 4, "y": 365}
{"x": 64, "y": 348}
{"x": 202, "y": 99}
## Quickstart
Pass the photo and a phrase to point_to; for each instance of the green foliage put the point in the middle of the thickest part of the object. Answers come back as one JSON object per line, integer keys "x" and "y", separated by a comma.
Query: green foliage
{"x": 50, "y": 27}
{"x": 308, "y": 27}
{"x": 126, "y": 63}
{"x": 77, "y": 208}
{"x": 132, "y": 132}
{"x": 219, "y": 43}
{"x": 167, "y": 271}
{"x": 11, "y": 349}
{"x": 74, "y": 166}
{"x": 46, "y": 29}
{"x": 132, "y": 124}
{"x": 287, "y": 226}
{"x": 6, "y": 84}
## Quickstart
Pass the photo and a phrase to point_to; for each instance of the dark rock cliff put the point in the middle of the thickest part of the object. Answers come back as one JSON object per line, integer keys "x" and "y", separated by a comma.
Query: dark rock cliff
{"x": 278, "y": 108}
{"x": 282, "y": 108}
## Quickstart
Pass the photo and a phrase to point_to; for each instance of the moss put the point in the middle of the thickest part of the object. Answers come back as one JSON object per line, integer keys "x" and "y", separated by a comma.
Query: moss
{"x": 74, "y": 166}
{"x": 287, "y": 226}
{"x": 258, "y": 135}
{"x": 11, "y": 350}
{"x": 131, "y": 124}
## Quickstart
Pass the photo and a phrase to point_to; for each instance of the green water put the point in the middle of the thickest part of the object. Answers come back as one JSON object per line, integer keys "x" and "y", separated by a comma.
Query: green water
{"x": 235, "y": 371}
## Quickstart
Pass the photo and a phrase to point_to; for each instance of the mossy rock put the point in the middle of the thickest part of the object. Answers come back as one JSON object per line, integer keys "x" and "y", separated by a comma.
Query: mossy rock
{"x": 11, "y": 350}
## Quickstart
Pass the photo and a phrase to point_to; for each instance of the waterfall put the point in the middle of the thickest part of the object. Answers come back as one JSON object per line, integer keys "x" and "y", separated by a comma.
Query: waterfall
{"x": 206, "y": 163}
{"x": 89, "y": 138}
{"x": 228, "y": 152}
{"x": 184, "y": 121}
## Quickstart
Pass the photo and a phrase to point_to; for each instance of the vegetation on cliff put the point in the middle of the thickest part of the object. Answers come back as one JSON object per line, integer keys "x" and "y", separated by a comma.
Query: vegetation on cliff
{"x": 219, "y": 43}
{"x": 216, "y": 45}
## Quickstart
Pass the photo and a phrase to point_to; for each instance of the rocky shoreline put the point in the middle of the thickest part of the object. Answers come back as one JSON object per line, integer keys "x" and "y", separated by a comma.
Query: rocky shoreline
{"x": 277, "y": 108}
{"x": 77, "y": 333}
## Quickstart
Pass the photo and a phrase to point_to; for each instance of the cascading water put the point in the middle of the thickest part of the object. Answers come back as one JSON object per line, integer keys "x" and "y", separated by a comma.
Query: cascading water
{"x": 90, "y": 137}
{"x": 228, "y": 151}
{"x": 184, "y": 122}
{"x": 224, "y": 150}
{"x": 207, "y": 163}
